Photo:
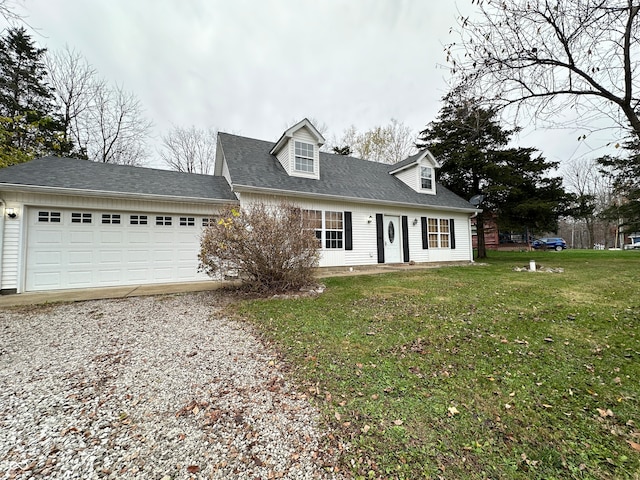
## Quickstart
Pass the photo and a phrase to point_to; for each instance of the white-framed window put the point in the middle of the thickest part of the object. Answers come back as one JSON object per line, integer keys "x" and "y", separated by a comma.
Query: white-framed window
{"x": 138, "y": 220}
{"x": 187, "y": 221}
{"x": 49, "y": 217}
{"x": 313, "y": 219}
{"x": 111, "y": 218}
{"x": 328, "y": 227}
{"x": 426, "y": 178}
{"x": 209, "y": 221}
{"x": 304, "y": 157}
{"x": 80, "y": 217}
{"x": 439, "y": 233}
{"x": 333, "y": 230}
{"x": 163, "y": 220}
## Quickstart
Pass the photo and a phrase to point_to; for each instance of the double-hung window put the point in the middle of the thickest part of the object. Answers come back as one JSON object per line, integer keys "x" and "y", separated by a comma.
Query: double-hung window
{"x": 328, "y": 227}
{"x": 439, "y": 233}
{"x": 313, "y": 220}
{"x": 304, "y": 157}
{"x": 426, "y": 178}
{"x": 333, "y": 225}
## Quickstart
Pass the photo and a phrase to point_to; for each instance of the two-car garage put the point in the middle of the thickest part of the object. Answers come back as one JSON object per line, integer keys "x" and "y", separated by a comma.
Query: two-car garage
{"x": 79, "y": 248}
{"x": 69, "y": 224}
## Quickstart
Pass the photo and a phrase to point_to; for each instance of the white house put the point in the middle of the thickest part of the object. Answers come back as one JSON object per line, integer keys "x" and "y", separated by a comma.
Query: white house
{"x": 69, "y": 223}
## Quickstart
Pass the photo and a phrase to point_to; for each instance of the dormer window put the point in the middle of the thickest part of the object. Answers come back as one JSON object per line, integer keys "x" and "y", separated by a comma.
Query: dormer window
{"x": 304, "y": 157}
{"x": 426, "y": 178}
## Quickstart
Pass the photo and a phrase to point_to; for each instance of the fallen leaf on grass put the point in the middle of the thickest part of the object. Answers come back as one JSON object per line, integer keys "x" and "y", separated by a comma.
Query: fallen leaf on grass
{"x": 453, "y": 411}
{"x": 605, "y": 413}
{"x": 338, "y": 416}
{"x": 193, "y": 469}
{"x": 634, "y": 445}
{"x": 365, "y": 429}
{"x": 398, "y": 422}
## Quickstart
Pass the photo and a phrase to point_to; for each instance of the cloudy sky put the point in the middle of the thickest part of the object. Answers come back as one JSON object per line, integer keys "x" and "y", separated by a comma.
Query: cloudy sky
{"x": 254, "y": 67}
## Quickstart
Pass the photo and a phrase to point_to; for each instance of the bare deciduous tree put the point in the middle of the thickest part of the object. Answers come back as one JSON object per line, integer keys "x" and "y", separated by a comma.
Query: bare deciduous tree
{"x": 594, "y": 193}
{"x": 190, "y": 150}
{"x": 105, "y": 124}
{"x": 547, "y": 56}
{"x": 384, "y": 144}
{"x": 75, "y": 84}
{"x": 116, "y": 128}
{"x": 6, "y": 10}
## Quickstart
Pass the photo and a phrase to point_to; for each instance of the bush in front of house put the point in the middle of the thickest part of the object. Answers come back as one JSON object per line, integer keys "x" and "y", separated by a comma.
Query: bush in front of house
{"x": 270, "y": 248}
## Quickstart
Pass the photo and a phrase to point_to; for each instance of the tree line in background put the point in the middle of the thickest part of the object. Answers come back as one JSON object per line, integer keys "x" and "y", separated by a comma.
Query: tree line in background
{"x": 541, "y": 58}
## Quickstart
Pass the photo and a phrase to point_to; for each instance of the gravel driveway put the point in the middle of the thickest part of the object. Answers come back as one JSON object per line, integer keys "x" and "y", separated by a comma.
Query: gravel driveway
{"x": 150, "y": 387}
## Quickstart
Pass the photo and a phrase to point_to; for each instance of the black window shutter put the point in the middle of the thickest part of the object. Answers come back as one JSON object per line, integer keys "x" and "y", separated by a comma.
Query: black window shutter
{"x": 452, "y": 229}
{"x": 405, "y": 238}
{"x": 380, "y": 237}
{"x": 425, "y": 236}
{"x": 348, "y": 233}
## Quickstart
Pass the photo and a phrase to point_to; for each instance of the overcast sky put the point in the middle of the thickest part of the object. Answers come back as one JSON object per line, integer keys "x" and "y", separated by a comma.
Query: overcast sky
{"x": 254, "y": 67}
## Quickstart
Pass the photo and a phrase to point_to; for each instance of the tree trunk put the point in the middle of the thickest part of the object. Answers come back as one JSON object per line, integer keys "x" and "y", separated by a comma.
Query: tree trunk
{"x": 482, "y": 249}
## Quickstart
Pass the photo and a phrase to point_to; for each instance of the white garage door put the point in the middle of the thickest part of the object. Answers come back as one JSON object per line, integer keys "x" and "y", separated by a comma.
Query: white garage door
{"x": 84, "y": 248}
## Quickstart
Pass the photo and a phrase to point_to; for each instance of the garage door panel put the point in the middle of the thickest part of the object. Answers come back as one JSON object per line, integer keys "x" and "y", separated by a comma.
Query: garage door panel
{"x": 80, "y": 278}
{"x": 111, "y": 237}
{"x": 81, "y": 238}
{"x": 139, "y": 237}
{"x": 80, "y": 257}
{"x": 163, "y": 273}
{"x": 110, "y": 257}
{"x": 163, "y": 237}
{"x": 163, "y": 256}
{"x": 49, "y": 237}
{"x": 134, "y": 257}
{"x": 46, "y": 280}
{"x": 109, "y": 276}
{"x": 72, "y": 254}
{"x": 47, "y": 258}
{"x": 138, "y": 274}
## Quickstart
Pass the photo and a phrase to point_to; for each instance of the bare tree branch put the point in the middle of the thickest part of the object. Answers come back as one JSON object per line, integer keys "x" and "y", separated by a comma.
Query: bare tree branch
{"x": 190, "y": 150}
{"x": 547, "y": 56}
{"x": 385, "y": 144}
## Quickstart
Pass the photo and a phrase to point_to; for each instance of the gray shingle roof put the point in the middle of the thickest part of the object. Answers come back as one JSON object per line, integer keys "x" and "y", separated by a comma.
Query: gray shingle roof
{"x": 251, "y": 165}
{"x": 75, "y": 174}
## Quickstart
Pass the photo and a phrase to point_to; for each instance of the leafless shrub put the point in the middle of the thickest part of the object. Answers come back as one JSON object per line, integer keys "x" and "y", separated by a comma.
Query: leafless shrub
{"x": 269, "y": 247}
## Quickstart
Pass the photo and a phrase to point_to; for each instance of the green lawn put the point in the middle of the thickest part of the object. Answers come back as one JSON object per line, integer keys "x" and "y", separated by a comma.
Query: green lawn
{"x": 474, "y": 372}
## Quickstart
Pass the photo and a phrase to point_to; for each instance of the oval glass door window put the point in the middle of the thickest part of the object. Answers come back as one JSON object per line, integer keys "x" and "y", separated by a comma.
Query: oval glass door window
{"x": 392, "y": 232}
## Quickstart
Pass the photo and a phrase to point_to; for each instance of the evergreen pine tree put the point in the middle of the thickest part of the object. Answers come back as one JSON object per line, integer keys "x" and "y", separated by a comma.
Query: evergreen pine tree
{"x": 472, "y": 147}
{"x": 29, "y": 124}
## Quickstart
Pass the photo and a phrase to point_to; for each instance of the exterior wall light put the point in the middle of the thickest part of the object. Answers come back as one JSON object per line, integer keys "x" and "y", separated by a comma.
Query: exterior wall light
{"x": 370, "y": 219}
{"x": 11, "y": 213}
{"x": 415, "y": 222}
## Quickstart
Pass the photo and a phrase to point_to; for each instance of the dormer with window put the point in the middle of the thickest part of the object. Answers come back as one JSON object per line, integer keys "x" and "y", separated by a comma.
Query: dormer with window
{"x": 298, "y": 150}
{"x": 418, "y": 172}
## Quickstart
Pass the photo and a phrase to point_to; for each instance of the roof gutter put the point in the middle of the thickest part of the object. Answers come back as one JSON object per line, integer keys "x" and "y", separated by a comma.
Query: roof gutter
{"x": 293, "y": 193}
{"x": 108, "y": 194}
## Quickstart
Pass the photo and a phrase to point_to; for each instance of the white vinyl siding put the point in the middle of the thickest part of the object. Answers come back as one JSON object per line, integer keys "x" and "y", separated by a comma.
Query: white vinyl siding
{"x": 409, "y": 176}
{"x": 412, "y": 177}
{"x": 364, "y": 232}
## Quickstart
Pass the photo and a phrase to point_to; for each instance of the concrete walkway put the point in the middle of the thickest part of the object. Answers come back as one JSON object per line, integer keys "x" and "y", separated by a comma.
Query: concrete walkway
{"x": 78, "y": 295}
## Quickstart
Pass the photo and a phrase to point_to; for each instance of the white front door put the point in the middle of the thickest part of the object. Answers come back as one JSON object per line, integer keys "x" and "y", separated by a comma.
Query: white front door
{"x": 392, "y": 240}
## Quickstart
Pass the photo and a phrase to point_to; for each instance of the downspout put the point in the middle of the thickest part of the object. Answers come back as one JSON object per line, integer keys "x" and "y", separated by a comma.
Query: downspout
{"x": 473, "y": 215}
